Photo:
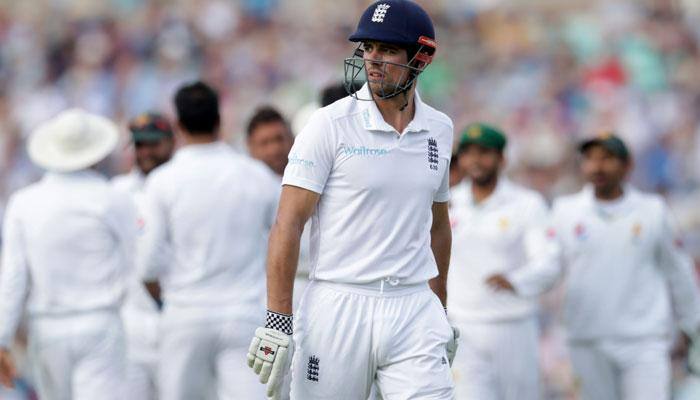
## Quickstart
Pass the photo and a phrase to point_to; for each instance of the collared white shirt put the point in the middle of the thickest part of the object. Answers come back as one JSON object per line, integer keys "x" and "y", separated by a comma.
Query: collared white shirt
{"x": 212, "y": 209}
{"x": 377, "y": 188}
{"x": 68, "y": 248}
{"x": 503, "y": 234}
{"x": 626, "y": 271}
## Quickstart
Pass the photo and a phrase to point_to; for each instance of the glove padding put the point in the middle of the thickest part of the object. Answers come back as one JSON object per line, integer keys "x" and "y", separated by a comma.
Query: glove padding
{"x": 452, "y": 345}
{"x": 268, "y": 356}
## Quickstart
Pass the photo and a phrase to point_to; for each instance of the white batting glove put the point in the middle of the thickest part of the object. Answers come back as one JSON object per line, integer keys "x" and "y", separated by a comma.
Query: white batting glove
{"x": 270, "y": 350}
{"x": 452, "y": 345}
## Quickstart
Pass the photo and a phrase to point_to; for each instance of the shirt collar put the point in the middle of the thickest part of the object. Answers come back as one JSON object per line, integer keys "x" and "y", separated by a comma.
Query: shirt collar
{"x": 502, "y": 187}
{"x": 204, "y": 148}
{"x": 628, "y": 195}
{"x": 373, "y": 121}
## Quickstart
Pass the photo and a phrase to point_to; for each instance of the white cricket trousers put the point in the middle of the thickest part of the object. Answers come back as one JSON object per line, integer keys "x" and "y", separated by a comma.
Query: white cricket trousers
{"x": 141, "y": 330}
{"x": 497, "y": 360}
{"x": 622, "y": 369}
{"x": 78, "y": 357}
{"x": 349, "y": 336}
{"x": 205, "y": 358}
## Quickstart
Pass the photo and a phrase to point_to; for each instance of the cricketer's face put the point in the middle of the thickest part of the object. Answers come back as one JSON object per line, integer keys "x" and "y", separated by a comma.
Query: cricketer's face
{"x": 385, "y": 65}
{"x": 480, "y": 164}
{"x": 151, "y": 154}
{"x": 601, "y": 168}
{"x": 270, "y": 143}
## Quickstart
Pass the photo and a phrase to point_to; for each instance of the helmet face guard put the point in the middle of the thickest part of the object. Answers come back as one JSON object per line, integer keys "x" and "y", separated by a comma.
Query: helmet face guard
{"x": 355, "y": 71}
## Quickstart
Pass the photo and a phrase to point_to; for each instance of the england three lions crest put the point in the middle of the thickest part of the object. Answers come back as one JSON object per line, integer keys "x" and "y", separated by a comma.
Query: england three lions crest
{"x": 433, "y": 155}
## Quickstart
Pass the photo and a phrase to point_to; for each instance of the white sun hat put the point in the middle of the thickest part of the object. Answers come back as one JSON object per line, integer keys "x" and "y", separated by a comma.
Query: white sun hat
{"x": 72, "y": 140}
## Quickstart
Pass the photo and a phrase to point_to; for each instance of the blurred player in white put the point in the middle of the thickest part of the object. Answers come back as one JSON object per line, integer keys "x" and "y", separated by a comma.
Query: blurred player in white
{"x": 627, "y": 280}
{"x": 269, "y": 139}
{"x": 371, "y": 171}
{"x": 152, "y": 138}
{"x": 499, "y": 255}
{"x": 211, "y": 208}
{"x": 67, "y": 255}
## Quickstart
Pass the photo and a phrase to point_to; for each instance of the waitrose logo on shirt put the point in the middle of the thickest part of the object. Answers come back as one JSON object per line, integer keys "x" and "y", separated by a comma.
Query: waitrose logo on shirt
{"x": 294, "y": 159}
{"x": 363, "y": 151}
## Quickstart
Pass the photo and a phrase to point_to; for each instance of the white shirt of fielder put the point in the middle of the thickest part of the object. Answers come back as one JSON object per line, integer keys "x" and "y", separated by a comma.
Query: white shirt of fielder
{"x": 68, "y": 252}
{"x": 377, "y": 187}
{"x": 72, "y": 222}
{"x": 626, "y": 272}
{"x": 211, "y": 209}
{"x": 216, "y": 228}
{"x": 627, "y": 280}
{"x": 503, "y": 234}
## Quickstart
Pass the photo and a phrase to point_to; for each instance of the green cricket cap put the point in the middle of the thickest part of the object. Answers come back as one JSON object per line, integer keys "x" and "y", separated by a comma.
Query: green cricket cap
{"x": 150, "y": 127}
{"x": 483, "y": 135}
{"x": 608, "y": 141}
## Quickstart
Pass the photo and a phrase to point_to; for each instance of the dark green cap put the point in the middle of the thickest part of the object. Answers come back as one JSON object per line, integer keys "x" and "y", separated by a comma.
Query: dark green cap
{"x": 484, "y": 135}
{"x": 150, "y": 127}
{"x": 608, "y": 141}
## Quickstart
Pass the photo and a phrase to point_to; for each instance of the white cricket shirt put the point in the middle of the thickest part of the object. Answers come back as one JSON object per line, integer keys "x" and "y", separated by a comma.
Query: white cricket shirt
{"x": 212, "y": 209}
{"x": 377, "y": 188}
{"x": 68, "y": 243}
{"x": 626, "y": 271}
{"x": 503, "y": 234}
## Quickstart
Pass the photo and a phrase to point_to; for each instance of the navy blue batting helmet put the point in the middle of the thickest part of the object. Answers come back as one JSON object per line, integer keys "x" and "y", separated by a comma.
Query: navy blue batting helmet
{"x": 399, "y": 22}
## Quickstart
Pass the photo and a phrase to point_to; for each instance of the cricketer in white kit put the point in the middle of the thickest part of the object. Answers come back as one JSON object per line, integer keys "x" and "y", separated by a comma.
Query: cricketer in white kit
{"x": 627, "y": 280}
{"x": 67, "y": 255}
{"x": 500, "y": 259}
{"x": 213, "y": 208}
{"x": 269, "y": 139}
{"x": 371, "y": 171}
{"x": 153, "y": 142}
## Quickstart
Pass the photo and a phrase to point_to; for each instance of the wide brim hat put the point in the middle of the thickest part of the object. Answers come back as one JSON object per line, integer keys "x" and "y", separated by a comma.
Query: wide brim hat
{"x": 73, "y": 140}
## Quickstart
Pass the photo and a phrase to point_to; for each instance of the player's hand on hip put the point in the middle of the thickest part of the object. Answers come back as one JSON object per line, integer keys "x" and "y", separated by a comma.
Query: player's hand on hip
{"x": 499, "y": 282}
{"x": 270, "y": 351}
{"x": 452, "y": 345}
{"x": 7, "y": 368}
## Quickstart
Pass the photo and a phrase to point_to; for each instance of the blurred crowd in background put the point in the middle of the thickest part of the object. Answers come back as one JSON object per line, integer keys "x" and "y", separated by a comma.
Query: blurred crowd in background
{"x": 548, "y": 72}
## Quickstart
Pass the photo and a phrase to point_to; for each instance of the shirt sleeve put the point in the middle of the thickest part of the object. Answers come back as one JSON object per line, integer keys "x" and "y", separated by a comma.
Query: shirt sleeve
{"x": 14, "y": 275}
{"x": 312, "y": 156}
{"x": 442, "y": 195}
{"x": 677, "y": 266}
{"x": 153, "y": 243}
{"x": 542, "y": 267}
